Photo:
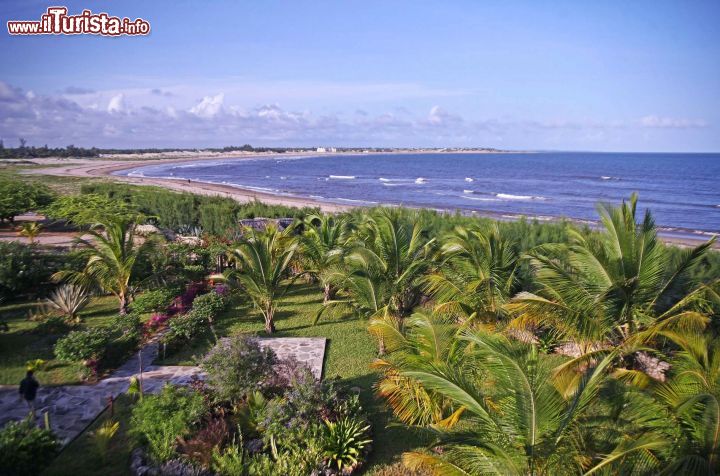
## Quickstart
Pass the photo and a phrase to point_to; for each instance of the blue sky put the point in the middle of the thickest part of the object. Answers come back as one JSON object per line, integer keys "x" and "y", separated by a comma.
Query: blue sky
{"x": 576, "y": 75}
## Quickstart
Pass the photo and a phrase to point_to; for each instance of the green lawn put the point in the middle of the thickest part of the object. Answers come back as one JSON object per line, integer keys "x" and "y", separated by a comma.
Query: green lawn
{"x": 23, "y": 343}
{"x": 350, "y": 351}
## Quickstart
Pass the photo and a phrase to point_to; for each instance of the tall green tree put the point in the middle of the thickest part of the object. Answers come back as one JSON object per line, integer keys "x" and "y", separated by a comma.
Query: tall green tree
{"x": 476, "y": 276}
{"x": 263, "y": 262}
{"x": 111, "y": 255}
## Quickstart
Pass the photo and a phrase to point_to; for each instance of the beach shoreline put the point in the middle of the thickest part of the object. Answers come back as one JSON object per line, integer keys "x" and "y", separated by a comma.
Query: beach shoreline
{"x": 108, "y": 167}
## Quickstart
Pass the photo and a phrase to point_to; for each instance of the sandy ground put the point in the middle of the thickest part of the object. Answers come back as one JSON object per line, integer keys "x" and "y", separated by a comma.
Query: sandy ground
{"x": 105, "y": 166}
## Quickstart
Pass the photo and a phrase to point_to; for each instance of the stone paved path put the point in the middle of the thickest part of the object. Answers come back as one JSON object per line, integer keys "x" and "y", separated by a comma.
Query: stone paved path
{"x": 73, "y": 407}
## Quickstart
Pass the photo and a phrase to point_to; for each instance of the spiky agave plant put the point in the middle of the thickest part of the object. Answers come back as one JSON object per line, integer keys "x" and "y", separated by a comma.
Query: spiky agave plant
{"x": 344, "y": 441}
{"x": 69, "y": 299}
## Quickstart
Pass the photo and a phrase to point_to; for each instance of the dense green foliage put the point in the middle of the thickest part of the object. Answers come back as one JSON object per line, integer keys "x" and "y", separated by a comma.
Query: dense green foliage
{"x": 158, "y": 420}
{"x": 26, "y": 449}
{"x": 17, "y": 197}
{"x": 82, "y": 345}
{"x": 182, "y": 212}
{"x": 26, "y": 270}
{"x": 154, "y": 300}
{"x": 238, "y": 366}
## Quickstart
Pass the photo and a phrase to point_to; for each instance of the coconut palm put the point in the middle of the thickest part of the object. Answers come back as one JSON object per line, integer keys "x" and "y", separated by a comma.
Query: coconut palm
{"x": 262, "y": 262}
{"x": 69, "y": 300}
{"x": 692, "y": 394}
{"x": 380, "y": 277}
{"x": 515, "y": 421}
{"x": 476, "y": 276}
{"x": 30, "y": 230}
{"x": 419, "y": 342}
{"x": 323, "y": 246}
{"x": 111, "y": 254}
{"x": 602, "y": 289}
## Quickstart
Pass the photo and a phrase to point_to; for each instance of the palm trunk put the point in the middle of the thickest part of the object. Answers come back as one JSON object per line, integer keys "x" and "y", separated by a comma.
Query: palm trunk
{"x": 381, "y": 346}
{"x": 123, "y": 304}
{"x": 328, "y": 293}
{"x": 269, "y": 322}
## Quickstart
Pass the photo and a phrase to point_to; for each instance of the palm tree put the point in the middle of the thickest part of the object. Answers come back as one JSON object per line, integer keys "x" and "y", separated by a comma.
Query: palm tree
{"x": 30, "y": 230}
{"x": 69, "y": 300}
{"x": 602, "y": 289}
{"x": 111, "y": 254}
{"x": 420, "y": 342}
{"x": 262, "y": 263}
{"x": 323, "y": 246}
{"x": 476, "y": 276}
{"x": 380, "y": 277}
{"x": 515, "y": 422}
{"x": 692, "y": 395}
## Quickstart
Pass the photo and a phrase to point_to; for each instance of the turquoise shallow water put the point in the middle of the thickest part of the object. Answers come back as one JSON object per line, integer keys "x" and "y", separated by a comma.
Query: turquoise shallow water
{"x": 681, "y": 189}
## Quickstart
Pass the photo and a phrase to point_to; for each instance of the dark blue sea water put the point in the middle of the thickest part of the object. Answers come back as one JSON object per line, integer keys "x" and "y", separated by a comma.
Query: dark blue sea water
{"x": 681, "y": 189}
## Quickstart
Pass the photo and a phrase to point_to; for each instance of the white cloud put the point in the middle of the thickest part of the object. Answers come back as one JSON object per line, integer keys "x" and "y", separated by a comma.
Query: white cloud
{"x": 671, "y": 122}
{"x": 210, "y": 106}
{"x": 117, "y": 104}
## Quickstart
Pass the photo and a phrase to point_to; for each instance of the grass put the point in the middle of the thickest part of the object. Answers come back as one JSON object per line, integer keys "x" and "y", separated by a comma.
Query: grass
{"x": 23, "y": 343}
{"x": 81, "y": 457}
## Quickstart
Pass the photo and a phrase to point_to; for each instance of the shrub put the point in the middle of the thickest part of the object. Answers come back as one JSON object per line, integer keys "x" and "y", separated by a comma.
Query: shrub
{"x": 156, "y": 321}
{"x": 158, "y": 420}
{"x": 344, "y": 441}
{"x": 230, "y": 461}
{"x": 26, "y": 449}
{"x": 236, "y": 366}
{"x": 208, "y": 306}
{"x": 22, "y": 270}
{"x": 186, "y": 327}
{"x": 82, "y": 345}
{"x": 154, "y": 301}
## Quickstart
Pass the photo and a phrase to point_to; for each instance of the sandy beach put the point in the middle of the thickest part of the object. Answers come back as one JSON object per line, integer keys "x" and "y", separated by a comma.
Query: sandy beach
{"x": 105, "y": 167}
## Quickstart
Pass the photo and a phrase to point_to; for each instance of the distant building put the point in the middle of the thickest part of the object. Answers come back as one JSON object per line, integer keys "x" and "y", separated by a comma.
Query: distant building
{"x": 321, "y": 149}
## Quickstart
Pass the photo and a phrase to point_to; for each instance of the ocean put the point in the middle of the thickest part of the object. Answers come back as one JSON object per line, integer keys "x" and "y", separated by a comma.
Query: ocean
{"x": 681, "y": 190}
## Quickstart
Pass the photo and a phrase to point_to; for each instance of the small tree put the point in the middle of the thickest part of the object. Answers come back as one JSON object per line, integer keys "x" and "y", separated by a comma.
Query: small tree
{"x": 263, "y": 260}
{"x": 111, "y": 256}
{"x": 18, "y": 197}
{"x": 30, "y": 230}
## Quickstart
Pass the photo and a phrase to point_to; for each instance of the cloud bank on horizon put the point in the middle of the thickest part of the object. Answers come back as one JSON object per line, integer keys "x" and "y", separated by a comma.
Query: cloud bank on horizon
{"x": 82, "y": 116}
{"x": 513, "y": 76}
